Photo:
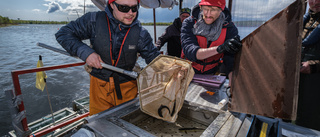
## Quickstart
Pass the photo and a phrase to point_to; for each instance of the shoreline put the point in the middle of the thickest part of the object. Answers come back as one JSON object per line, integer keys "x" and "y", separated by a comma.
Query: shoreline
{"x": 8, "y": 25}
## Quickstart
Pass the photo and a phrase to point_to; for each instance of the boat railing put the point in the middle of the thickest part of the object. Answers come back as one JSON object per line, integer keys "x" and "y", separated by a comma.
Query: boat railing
{"x": 17, "y": 108}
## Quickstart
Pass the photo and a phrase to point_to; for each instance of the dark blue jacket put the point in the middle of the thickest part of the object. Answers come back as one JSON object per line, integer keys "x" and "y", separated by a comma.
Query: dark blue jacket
{"x": 189, "y": 41}
{"x": 171, "y": 36}
{"x": 70, "y": 37}
{"x": 314, "y": 37}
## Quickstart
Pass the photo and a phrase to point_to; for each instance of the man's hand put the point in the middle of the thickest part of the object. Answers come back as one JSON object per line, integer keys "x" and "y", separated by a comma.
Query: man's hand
{"x": 231, "y": 45}
{"x": 305, "y": 67}
{"x": 94, "y": 60}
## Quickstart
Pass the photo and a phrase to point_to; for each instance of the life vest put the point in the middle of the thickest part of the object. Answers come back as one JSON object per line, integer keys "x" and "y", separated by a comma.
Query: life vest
{"x": 211, "y": 62}
{"x": 103, "y": 46}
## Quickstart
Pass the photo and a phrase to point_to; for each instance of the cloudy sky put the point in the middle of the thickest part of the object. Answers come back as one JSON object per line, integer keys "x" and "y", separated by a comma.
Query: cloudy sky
{"x": 67, "y": 10}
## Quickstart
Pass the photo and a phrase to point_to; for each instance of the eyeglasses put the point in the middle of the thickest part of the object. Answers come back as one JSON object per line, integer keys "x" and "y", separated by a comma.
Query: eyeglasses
{"x": 126, "y": 9}
{"x": 210, "y": 10}
{"x": 185, "y": 10}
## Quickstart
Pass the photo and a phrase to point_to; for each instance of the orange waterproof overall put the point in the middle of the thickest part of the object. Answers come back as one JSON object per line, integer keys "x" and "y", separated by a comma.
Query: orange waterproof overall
{"x": 103, "y": 94}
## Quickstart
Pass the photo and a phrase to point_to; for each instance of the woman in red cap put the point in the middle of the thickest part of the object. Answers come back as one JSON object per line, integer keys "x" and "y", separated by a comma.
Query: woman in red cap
{"x": 209, "y": 38}
{"x": 116, "y": 37}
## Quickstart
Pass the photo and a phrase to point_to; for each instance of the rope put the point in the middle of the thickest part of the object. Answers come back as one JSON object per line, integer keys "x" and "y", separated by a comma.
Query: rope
{"x": 16, "y": 101}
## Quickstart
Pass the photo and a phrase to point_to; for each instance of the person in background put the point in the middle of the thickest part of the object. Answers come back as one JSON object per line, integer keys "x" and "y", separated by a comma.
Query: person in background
{"x": 308, "y": 114}
{"x": 209, "y": 38}
{"x": 171, "y": 36}
{"x": 116, "y": 37}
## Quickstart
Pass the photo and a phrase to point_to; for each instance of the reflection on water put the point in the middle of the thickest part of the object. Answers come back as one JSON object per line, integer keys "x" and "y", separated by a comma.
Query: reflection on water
{"x": 18, "y": 51}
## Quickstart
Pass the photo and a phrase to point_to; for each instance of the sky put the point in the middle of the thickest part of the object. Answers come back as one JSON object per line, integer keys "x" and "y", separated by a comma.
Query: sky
{"x": 67, "y": 10}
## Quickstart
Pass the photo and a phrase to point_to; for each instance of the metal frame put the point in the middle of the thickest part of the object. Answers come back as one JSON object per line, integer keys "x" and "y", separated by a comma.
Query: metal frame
{"x": 17, "y": 92}
{"x": 108, "y": 121}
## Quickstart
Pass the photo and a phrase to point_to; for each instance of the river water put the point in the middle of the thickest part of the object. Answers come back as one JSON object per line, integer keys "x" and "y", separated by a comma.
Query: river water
{"x": 18, "y": 50}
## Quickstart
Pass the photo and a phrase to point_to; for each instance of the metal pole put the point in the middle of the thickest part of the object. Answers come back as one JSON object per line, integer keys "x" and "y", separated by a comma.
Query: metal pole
{"x": 53, "y": 128}
{"x": 110, "y": 67}
{"x": 230, "y": 5}
{"x": 19, "y": 128}
{"x": 154, "y": 25}
{"x": 77, "y": 13}
{"x": 84, "y": 7}
{"x": 180, "y": 5}
{"x": 54, "y": 122}
{"x": 16, "y": 85}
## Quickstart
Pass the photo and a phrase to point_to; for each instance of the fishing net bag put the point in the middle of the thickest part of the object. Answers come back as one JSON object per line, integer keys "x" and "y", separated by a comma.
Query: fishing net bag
{"x": 163, "y": 86}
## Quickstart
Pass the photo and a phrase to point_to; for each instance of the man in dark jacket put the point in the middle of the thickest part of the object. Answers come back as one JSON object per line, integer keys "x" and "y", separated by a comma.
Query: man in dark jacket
{"x": 209, "y": 37}
{"x": 308, "y": 114}
{"x": 171, "y": 36}
{"x": 116, "y": 37}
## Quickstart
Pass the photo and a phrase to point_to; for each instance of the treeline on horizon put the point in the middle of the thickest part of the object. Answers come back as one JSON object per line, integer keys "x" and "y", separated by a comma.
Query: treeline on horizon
{"x": 4, "y": 21}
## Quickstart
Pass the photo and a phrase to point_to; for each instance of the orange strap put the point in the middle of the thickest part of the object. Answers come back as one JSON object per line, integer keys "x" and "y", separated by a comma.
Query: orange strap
{"x": 111, "y": 44}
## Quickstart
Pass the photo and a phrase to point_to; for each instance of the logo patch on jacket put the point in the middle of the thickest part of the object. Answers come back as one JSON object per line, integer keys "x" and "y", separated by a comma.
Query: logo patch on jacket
{"x": 132, "y": 47}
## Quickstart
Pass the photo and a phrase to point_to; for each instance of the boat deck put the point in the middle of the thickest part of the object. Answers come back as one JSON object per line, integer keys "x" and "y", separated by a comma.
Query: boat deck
{"x": 201, "y": 115}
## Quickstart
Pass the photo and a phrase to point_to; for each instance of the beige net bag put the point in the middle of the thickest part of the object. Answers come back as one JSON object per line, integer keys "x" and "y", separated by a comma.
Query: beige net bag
{"x": 163, "y": 86}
